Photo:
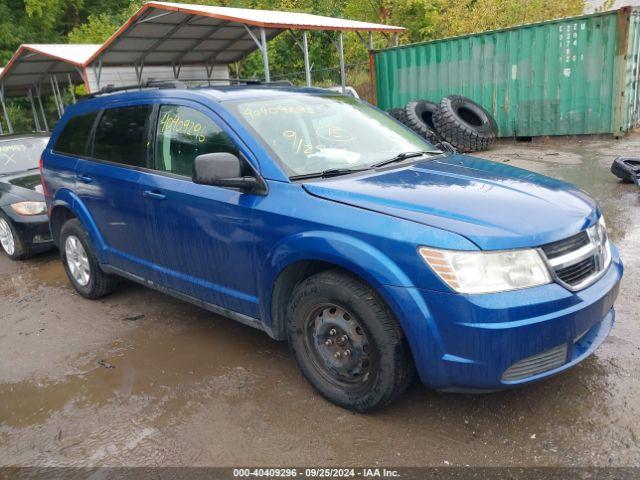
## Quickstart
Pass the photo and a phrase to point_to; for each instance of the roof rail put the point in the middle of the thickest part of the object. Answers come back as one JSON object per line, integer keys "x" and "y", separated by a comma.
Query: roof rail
{"x": 183, "y": 84}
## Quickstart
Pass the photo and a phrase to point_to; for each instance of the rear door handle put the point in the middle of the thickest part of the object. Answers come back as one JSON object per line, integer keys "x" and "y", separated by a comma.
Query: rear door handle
{"x": 154, "y": 194}
{"x": 85, "y": 178}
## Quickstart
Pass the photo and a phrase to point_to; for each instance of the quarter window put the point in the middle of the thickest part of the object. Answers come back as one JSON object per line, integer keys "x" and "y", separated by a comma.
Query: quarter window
{"x": 75, "y": 135}
{"x": 123, "y": 134}
{"x": 184, "y": 133}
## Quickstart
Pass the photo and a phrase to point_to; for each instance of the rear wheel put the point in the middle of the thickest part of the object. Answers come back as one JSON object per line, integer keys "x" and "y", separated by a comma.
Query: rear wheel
{"x": 11, "y": 242}
{"x": 80, "y": 262}
{"x": 347, "y": 343}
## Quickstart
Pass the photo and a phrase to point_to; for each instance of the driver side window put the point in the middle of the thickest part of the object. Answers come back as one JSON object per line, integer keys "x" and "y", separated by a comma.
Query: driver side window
{"x": 182, "y": 134}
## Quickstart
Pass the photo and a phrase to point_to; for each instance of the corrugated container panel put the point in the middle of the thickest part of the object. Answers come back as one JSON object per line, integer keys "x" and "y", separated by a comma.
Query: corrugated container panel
{"x": 632, "y": 72}
{"x": 551, "y": 78}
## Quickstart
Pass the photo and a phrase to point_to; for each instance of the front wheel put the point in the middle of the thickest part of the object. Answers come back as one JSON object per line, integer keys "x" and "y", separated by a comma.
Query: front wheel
{"x": 11, "y": 242}
{"x": 347, "y": 343}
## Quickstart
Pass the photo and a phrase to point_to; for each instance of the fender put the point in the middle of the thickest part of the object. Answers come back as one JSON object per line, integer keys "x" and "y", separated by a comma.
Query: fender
{"x": 68, "y": 199}
{"x": 363, "y": 260}
{"x": 348, "y": 252}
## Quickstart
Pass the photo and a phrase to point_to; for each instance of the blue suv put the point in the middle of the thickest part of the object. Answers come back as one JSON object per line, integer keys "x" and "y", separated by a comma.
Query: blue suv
{"x": 323, "y": 221}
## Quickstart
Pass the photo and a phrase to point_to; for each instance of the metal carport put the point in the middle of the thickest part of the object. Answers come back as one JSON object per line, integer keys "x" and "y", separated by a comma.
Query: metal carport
{"x": 168, "y": 39}
{"x": 180, "y": 34}
{"x": 35, "y": 70}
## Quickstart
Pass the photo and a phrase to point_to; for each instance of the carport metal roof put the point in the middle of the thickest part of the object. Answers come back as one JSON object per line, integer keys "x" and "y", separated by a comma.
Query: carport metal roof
{"x": 176, "y": 33}
{"x": 38, "y": 64}
{"x": 39, "y": 69}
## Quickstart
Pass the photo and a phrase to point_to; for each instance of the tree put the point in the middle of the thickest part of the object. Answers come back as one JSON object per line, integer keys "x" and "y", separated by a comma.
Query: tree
{"x": 468, "y": 16}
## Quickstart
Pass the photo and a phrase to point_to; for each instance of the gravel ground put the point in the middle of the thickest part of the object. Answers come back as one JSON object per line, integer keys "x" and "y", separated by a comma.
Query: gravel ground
{"x": 139, "y": 378}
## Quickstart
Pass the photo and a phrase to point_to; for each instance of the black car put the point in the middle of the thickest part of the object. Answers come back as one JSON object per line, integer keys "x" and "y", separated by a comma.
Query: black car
{"x": 24, "y": 226}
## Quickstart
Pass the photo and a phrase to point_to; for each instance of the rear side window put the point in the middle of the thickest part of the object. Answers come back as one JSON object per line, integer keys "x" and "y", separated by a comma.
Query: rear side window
{"x": 122, "y": 135}
{"x": 184, "y": 133}
{"x": 74, "y": 137}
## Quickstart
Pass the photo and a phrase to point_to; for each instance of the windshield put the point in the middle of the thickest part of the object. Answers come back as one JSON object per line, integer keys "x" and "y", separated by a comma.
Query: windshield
{"x": 21, "y": 154}
{"x": 311, "y": 134}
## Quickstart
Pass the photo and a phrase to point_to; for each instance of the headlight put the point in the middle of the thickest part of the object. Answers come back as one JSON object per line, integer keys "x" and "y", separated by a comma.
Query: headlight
{"x": 487, "y": 272}
{"x": 603, "y": 240}
{"x": 29, "y": 208}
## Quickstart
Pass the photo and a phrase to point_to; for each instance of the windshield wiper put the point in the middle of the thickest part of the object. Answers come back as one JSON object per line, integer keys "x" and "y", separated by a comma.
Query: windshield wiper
{"x": 404, "y": 156}
{"x": 333, "y": 172}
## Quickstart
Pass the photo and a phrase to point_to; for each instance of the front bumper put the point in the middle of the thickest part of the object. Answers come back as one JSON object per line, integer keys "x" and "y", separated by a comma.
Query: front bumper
{"x": 462, "y": 342}
{"x": 33, "y": 230}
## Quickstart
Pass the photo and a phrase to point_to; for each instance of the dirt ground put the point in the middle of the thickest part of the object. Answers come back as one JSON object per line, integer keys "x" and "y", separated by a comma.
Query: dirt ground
{"x": 139, "y": 378}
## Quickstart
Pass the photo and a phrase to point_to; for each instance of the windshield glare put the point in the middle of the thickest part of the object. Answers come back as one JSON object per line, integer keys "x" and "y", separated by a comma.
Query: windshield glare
{"x": 21, "y": 154}
{"x": 311, "y": 134}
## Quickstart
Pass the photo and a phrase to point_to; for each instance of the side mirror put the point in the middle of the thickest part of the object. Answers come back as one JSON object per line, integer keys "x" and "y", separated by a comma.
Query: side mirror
{"x": 224, "y": 169}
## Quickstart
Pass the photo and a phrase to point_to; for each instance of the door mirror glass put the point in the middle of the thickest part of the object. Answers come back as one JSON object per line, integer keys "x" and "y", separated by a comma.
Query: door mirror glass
{"x": 223, "y": 169}
{"x": 212, "y": 167}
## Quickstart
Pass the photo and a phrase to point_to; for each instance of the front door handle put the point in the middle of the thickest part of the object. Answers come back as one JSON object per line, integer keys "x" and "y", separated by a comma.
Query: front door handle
{"x": 154, "y": 194}
{"x": 85, "y": 178}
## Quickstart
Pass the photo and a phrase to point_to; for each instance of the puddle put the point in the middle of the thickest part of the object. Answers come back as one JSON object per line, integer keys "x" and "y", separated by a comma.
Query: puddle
{"x": 149, "y": 362}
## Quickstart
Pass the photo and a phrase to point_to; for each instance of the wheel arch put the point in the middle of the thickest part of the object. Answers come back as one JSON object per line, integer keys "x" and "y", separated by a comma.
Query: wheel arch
{"x": 299, "y": 257}
{"x": 66, "y": 205}
{"x": 59, "y": 215}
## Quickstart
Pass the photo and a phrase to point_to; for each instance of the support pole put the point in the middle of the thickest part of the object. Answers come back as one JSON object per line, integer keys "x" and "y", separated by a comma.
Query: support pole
{"x": 55, "y": 97}
{"x": 265, "y": 55}
{"x": 305, "y": 47}
{"x": 343, "y": 76}
{"x": 36, "y": 121}
{"x": 72, "y": 88}
{"x": 396, "y": 41}
{"x": 97, "y": 71}
{"x": 4, "y": 109}
{"x": 139, "y": 73}
{"x": 44, "y": 115}
{"x": 55, "y": 82}
{"x": 176, "y": 70}
{"x": 370, "y": 41}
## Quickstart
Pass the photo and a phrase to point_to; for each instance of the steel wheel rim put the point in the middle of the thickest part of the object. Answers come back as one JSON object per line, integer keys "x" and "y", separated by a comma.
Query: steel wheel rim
{"x": 77, "y": 260}
{"x": 6, "y": 237}
{"x": 339, "y": 345}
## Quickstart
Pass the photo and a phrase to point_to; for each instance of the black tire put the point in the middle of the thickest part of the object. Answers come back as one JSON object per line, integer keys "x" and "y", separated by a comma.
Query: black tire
{"x": 419, "y": 118}
{"x": 398, "y": 114}
{"x": 379, "y": 367}
{"x": 21, "y": 250}
{"x": 626, "y": 169}
{"x": 465, "y": 124}
{"x": 99, "y": 283}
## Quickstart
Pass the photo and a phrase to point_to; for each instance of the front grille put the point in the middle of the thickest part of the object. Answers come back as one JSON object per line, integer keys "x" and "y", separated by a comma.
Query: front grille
{"x": 578, "y": 272}
{"x": 577, "y": 261}
{"x": 536, "y": 364}
{"x": 559, "y": 248}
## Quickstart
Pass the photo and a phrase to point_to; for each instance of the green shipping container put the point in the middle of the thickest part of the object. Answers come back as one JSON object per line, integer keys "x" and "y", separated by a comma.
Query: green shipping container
{"x": 561, "y": 77}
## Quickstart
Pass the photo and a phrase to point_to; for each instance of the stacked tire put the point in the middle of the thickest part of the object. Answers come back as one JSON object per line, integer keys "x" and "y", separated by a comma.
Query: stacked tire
{"x": 463, "y": 123}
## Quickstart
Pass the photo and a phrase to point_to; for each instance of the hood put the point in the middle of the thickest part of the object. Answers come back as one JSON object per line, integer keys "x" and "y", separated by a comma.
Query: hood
{"x": 496, "y": 206}
{"x": 30, "y": 181}
{"x": 21, "y": 186}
